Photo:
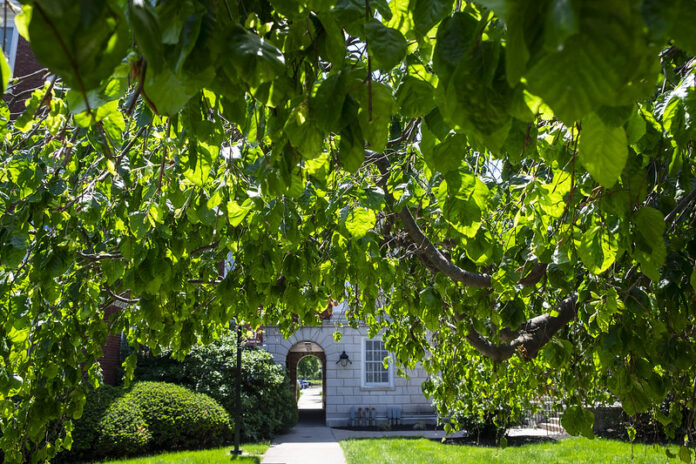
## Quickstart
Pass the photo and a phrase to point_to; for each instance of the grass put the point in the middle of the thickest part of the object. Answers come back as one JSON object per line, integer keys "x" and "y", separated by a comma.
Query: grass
{"x": 211, "y": 456}
{"x": 571, "y": 450}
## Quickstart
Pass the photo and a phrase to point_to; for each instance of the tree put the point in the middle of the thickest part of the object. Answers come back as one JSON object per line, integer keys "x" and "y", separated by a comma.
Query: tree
{"x": 309, "y": 367}
{"x": 513, "y": 181}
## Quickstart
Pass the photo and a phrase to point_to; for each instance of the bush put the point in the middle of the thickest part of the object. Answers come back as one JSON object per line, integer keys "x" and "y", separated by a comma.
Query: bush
{"x": 151, "y": 416}
{"x": 268, "y": 403}
{"x": 111, "y": 425}
{"x": 178, "y": 418}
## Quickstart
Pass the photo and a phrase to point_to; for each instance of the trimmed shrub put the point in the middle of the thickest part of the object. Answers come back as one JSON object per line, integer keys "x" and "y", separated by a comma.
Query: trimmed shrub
{"x": 178, "y": 418}
{"x": 111, "y": 425}
{"x": 151, "y": 416}
{"x": 268, "y": 403}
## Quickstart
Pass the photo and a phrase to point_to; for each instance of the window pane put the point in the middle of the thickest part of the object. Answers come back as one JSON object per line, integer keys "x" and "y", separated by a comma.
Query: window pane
{"x": 6, "y": 36}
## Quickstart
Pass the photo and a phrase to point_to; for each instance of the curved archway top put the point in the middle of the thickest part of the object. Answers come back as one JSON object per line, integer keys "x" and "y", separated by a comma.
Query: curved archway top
{"x": 306, "y": 347}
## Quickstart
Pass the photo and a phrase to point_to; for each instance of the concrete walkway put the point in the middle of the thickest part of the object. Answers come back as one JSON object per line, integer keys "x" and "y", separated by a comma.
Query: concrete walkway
{"x": 305, "y": 444}
{"x": 311, "y": 398}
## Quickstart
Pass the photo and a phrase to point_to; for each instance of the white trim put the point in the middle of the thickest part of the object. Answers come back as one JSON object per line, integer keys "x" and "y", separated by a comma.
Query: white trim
{"x": 363, "y": 360}
{"x": 13, "y": 36}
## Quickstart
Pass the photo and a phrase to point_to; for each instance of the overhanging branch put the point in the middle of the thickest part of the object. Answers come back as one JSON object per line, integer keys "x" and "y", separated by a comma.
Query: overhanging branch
{"x": 530, "y": 337}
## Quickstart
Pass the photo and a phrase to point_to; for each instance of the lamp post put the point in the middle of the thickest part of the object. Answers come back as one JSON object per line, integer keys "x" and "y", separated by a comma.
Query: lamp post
{"x": 228, "y": 265}
{"x": 238, "y": 394}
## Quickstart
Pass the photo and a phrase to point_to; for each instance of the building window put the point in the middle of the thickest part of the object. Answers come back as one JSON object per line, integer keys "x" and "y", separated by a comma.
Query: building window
{"x": 8, "y": 36}
{"x": 373, "y": 372}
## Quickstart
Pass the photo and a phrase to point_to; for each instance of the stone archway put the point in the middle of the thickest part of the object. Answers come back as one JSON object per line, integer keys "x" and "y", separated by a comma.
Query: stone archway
{"x": 295, "y": 354}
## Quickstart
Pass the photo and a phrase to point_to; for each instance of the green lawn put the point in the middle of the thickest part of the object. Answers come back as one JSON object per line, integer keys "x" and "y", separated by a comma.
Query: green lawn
{"x": 571, "y": 450}
{"x": 211, "y": 456}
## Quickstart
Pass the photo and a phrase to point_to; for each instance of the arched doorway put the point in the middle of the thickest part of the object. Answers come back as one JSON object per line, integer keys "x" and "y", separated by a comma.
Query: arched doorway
{"x": 311, "y": 407}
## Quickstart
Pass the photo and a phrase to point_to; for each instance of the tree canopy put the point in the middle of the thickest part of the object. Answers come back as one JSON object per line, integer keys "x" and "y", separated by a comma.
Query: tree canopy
{"x": 505, "y": 187}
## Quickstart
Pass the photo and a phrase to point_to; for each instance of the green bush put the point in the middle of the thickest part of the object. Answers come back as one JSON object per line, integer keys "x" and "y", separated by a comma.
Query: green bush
{"x": 178, "y": 418}
{"x": 150, "y": 416}
{"x": 268, "y": 403}
{"x": 111, "y": 425}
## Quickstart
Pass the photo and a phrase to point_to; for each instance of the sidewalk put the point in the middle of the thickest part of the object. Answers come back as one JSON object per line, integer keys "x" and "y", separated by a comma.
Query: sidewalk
{"x": 305, "y": 444}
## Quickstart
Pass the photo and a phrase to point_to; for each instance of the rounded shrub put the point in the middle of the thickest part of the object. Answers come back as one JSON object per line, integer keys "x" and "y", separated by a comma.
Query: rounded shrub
{"x": 178, "y": 418}
{"x": 268, "y": 404}
{"x": 111, "y": 425}
{"x": 150, "y": 416}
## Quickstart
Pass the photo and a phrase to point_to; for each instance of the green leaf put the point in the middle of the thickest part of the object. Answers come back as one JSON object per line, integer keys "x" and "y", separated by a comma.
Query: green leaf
{"x": 611, "y": 52}
{"x": 375, "y": 124}
{"x": 449, "y": 154}
{"x": 5, "y": 73}
{"x": 146, "y": 29}
{"x": 578, "y": 421}
{"x": 386, "y": 46}
{"x": 253, "y": 58}
{"x": 200, "y": 160}
{"x": 693, "y": 278}
{"x": 427, "y": 13}
{"x": 170, "y": 92}
{"x": 302, "y": 133}
{"x": 359, "y": 221}
{"x": 415, "y": 97}
{"x": 651, "y": 251}
{"x": 332, "y": 43}
{"x": 598, "y": 249}
{"x": 83, "y": 48}
{"x": 603, "y": 150}
{"x": 685, "y": 454}
{"x": 237, "y": 212}
{"x": 351, "y": 151}
{"x": 330, "y": 95}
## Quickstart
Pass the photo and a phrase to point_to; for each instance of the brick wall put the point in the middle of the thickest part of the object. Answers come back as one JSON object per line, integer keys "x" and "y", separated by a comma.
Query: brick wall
{"x": 25, "y": 64}
{"x": 111, "y": 362}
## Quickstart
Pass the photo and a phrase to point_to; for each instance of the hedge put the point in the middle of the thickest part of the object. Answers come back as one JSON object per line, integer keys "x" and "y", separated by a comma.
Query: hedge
{"x": 178, "y": 418}
{"x": 150, "y": 416}
{"x": 111, "y": 425}
{"x": 268, "y": 403}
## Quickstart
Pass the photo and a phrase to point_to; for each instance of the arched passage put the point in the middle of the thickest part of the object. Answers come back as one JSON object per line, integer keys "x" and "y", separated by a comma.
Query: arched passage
{"x": 295, "y": 354}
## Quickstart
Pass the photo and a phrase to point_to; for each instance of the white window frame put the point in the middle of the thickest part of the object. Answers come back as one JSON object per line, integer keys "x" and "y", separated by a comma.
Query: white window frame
{"x": 390, "y": 370}
{"x": 14, "y": 34}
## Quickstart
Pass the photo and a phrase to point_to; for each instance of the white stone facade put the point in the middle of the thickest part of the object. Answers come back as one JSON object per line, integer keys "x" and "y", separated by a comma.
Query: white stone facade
{"x": 345, "y": 387}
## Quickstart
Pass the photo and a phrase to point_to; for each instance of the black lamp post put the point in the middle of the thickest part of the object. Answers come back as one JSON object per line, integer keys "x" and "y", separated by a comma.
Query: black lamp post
{"x": 238, "y": 394}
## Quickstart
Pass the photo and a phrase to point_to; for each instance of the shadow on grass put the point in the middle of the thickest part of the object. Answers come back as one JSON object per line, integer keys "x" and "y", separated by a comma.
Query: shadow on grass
{"x": 484, "y": 442}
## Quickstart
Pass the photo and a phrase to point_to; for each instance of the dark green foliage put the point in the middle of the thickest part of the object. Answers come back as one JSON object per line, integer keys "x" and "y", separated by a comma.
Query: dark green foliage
{"x": 112, "y": 424}
{"x": 180, "y": 419}
{"x": 309, "y": 368}
{"x": 150, "y": 416}
{"x": 268, "y": 406}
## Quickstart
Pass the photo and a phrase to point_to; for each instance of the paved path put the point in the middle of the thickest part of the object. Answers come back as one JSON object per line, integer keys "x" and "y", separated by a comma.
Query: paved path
{"x": 305, "y": 444}
{"x": 311, "y": 398}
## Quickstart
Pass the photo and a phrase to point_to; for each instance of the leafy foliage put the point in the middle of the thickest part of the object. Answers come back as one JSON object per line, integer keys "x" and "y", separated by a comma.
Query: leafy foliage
{"x": 268, "y": 407}
{"x": 309, "y": 367}
{"x": 150, "y": 416}
{"x": 518, "y": 175}
{"x": 112, "y": 425}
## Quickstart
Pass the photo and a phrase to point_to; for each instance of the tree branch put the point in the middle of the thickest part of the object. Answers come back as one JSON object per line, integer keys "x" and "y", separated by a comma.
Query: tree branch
{"x": 427, "y": 252}
{"x": 530, "y": 337}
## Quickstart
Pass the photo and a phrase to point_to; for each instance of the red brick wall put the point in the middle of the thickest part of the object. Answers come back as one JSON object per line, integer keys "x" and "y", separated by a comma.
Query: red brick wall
{"x": 111, "y": 361}
{"x": 25, "y": 64}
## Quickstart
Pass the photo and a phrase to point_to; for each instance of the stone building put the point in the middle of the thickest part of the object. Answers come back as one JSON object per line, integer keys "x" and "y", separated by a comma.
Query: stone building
{"x": 356, "y": 388}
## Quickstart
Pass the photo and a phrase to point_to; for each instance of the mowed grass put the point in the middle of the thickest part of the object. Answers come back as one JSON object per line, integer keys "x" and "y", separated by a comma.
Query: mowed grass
{"x": 571, "y": 450}
{"x": 211, "y": 456}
